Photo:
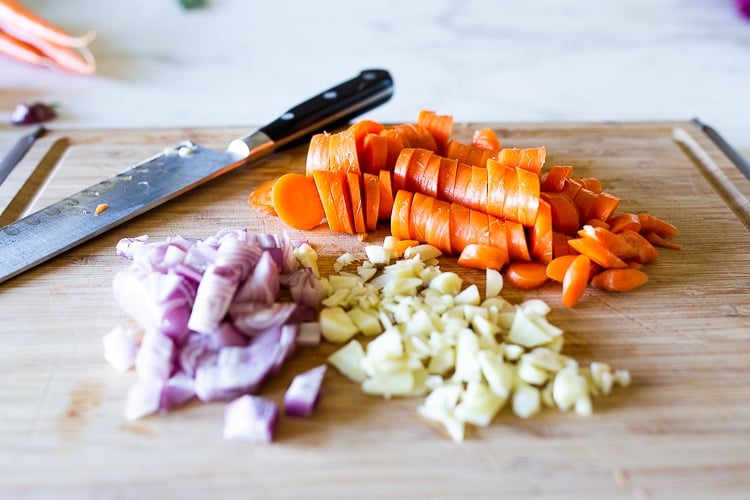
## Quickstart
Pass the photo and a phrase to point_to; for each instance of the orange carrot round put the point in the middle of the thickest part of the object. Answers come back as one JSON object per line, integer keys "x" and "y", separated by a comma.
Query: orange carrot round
{"x": 297, "y": 202}
{"x": 486, "y": 138}
{"x": 575, "y": 280}
{"x": 261, "y": 198}
{"x": 619, "y": 280}
{"x": 556, "y": 267}
{"x": 478, "y": 256}
{"x": 526, "y": 275}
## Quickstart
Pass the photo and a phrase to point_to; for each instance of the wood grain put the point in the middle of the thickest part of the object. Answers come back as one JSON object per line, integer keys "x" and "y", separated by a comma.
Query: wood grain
{"x": 682, "y": 430}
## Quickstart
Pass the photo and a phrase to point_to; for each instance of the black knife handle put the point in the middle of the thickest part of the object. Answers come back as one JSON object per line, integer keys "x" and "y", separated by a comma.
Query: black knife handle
{"x": 330, "y": 108}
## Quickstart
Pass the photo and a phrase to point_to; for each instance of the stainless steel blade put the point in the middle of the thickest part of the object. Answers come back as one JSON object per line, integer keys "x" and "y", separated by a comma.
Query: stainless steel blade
{"x": 75, "y": 219}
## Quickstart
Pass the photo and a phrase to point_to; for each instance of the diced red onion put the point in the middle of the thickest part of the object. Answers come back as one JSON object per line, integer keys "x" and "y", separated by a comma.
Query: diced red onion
{"x": 144, "y": 398}
{"x": 234, "y": 253}
{"x": 155, "y": 359}
{"x": 178, "y": 390}
{"x": 253, "y": 317}
{"x": 286, "y": 345}
{"x": 197, "y": 349}
{"x": 228, "y": 335}
{"x": 304, "y": 287}
{"x": 128, "y": 247}
{"x": 213, "y": 298}
{"x": 303, "y": 394}
{"x": 262, "y": 284}
{"x": 120, "y": 347}
{"x": 251, "y": 418}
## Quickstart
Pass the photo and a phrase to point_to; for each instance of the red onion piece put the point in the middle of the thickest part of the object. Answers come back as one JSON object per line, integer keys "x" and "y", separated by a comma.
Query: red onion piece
{"x": 144, "y": 398}
{"x": 197, "y": 349}
{"x": 253, "y": 317}
{"x": 178, "y": 390}
{"x": 156, "y": 357}
{"x": 303, "y": 394}
{"x": 251, "y": 418}
{"x": 32, "y": 114}
{"x": 128, "y": 247}
{"x": 262, "y": 284}
{"x": 309, "y": 334}
{"x": 304, "y": 287}
{"x": 234, "y": 253}
{"x": 213, "y": 298}
{"x": 120, "y": 347}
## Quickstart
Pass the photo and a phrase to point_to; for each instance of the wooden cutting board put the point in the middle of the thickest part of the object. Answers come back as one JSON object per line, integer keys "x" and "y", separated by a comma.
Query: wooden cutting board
{"x": 682, "y": 429}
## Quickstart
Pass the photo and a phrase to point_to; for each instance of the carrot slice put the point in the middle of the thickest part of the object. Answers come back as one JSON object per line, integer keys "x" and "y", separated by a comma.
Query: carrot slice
{"x": 318, "y": 153}
{"x": 596, "y": 252}
{"x": 425, "y": 140}
{"x": 512, "y": 202}
{"x": 354, "y": 181}
{"x": 584, "y": 200}
{"x": 261, "y": 198}
{"x": 361, "y": 128}
{"x": 446, "y": 178}
{"x": 479, "y": 232}
{"x": 466, "y": 153}
{"x": 401, "y": 168}
{"x": 498, "y": 236}
{"x": 323, "y": 181}
{"x": 613, "y": 241}
{"x": 554, "y": 179}
{"x": 395, "y": 144}
{"x": 659, "y": 241}
{"x": 644, "y": 251}
{"x": 438, "y": 226}
{"x": 421, "y": 208}
{"x": 590, "y": 183}
{"x": 652, "y": 224}
{"x": 540, "y": 235}
{"x": 297, "y": 202}
{"x": 373, "y": 157}
{"x": 526, "y": 275}
{"x": 460, "y": 192}
{"x": 528, "y": 196}
{"x": 531, "y": 159}
{"x": 342, "y": 150}
{"x": 482, "y": 257}
{"x": 604, "y": 206}
{"x": 560, "y": 245}
{"x": 556, "y": 267}
{"x": 416, "y": 177}
{"x": 386, "y": 194}
{"x": 565, "y": 216}
{"x": 477, "y": 194}
{"x": 624, "y": 222}
{"x": 372, "y": 200}
{"x": 518, "y": 248}
{"x": 619, "y": 280}
{"x": 460, "y": 228}
{"x": 495, "y": 188}
{"x": 486, "y": 138}
{"x": 440, "y": 126}
{"x": 401, "y": 214}
{"x": 575, "y": 280}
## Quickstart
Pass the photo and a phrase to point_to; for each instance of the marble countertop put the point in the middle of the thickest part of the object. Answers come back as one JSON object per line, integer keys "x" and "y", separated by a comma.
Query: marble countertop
{"x": 242, "y": 63}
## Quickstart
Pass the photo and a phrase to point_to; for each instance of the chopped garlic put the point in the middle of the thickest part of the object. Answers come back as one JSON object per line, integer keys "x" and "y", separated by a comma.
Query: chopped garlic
{"x": 348, "y": 360}
{"x": 308, "y": 257}
{"x": 336, "y": 326}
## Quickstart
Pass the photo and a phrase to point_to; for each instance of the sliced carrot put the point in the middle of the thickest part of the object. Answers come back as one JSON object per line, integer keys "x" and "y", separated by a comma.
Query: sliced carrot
{"x": 526, "y": 275}
{"x": 460, "y": 227}
{"x": 604, "y": 206}
{"x": 438, "y": 227}
{"x": 386, "y": 194}
{"x": 482, "y": 257}
{"x": 402, "y": 245}
{"x": 342, "y": 150}
{"x": 362, "y": 128}
{"x": 467, "y": 153}
{"x": 512, "y": 202}
{"x": 614, "y": 242}
{"x": 354, "y": 181}
{"x": 540, "y": 235}
{"x": 461, "y": 188}
{"x": 652, "y": 224}
{"x": 318, "y": 153}
{"x": 584, "y": 200}
{"x": 644, "y": 251}
{"x": 409, "y": 136}
{"x": 560, "y": 245}
{"x": 417, "y": 175}
{"x": 401, "y": 168}
{"x": 518, "y": 248}
{"x": 498, "y": 236}
{"x": 395, "y": 144}
{"x": 486, "y": 138}
{"x": 421, "y": 208}
{"x": 624, "y": 222}
{"x": 565, "y": 216}
{"x": 590, "y": 183}
{"x": 371, "y": 191}
{"x": 554, "y": 179}
{"x": 476, "y": 194}
{"x": 401, "y": 215}
{"x": 531, "y": 159}
{"x": 446, "y": 178}
{"x": 570, "y": 187}
{"x": 261, "y": 198}
{"x": 323, "y": 181}
{"x": 596, "y": 252}
{"x": 556, "y": 267}
{"x": 598, "y": 223}
{"x": 575, "y": 280}
{"x": 373, "y": 156}
{"x": 425, "y": 140}
{"x": 479, "y": 232}
{"x": 440, "y": 126}
{"x": 428, "y": 184}
{"x": 528, "y": 196}
{"x": 619, "y": 280}
{"x": 297, "y": 202}
{"x": 660, "y": 241}
{"x": 495, "y": 188}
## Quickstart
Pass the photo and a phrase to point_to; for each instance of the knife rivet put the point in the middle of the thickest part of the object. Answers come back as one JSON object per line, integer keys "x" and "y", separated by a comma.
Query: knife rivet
{"x": 287, "y": 116}
{"x": 331, "y": 94}
{"x": 12, "y": 231}
{"x": 53, "y": 210}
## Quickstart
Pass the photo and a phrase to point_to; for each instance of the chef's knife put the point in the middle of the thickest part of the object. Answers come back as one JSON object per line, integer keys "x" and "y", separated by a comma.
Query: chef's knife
{"x": 61, "y": 226}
